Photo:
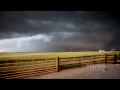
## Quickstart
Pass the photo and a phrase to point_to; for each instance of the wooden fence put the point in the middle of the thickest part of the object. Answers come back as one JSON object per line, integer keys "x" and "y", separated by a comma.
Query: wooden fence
{"x": 24, "y": 69}
{"x": 19, "y": 69}
{"x": 84, "y": 60}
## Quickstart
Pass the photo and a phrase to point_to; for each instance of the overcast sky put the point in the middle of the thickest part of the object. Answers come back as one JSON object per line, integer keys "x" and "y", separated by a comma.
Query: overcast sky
{"x": 38, "y": 31}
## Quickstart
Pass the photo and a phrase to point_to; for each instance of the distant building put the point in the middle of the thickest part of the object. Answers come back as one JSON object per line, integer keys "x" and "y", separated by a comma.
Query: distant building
{"x": 101, "y": 50}
{"x": 113, "y": 50}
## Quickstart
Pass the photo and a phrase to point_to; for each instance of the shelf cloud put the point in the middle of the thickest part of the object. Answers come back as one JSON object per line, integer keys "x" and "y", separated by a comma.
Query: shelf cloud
{"x": 44, "y": 31}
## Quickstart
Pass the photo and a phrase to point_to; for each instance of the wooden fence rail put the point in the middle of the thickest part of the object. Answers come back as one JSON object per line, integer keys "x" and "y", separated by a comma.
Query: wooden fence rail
{"x": 13, "y": 70}
{"x": 79, "y": 61}
{"x": 22, "y": 69}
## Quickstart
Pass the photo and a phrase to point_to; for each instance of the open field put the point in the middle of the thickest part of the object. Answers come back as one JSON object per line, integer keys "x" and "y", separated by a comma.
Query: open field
{"x": 16, "y": 65}
{"x": 39, "y": 55}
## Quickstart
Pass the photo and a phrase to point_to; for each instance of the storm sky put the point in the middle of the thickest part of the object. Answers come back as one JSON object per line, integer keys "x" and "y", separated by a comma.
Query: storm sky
{"x": 44, "y": 31}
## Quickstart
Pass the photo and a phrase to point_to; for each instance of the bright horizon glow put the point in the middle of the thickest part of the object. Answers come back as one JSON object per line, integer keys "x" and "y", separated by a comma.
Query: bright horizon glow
{"x": 21, "y": 42}
{"x": 2, "y": 50}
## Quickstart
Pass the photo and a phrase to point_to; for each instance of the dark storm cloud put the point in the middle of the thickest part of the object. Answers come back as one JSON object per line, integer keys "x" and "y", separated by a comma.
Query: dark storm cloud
{"x": 58, "y": 30}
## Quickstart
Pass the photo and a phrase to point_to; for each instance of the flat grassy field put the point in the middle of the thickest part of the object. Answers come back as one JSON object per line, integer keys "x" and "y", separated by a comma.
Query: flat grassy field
{"x": 38, "y": 55}
{"x": 21, "y": 63}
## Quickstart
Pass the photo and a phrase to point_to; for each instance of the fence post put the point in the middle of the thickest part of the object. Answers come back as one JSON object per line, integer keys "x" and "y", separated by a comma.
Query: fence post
{"x": 57, "y": 64}
{"x": 15, "y": 67}
{"x": 105, "y": 58}
{"x": 79, "y": 60}
{"x": 115, "y": 58}
{"x": 32, "y": 64}
{"x": 16, "y": 62}
{"x": 94, "y": 59}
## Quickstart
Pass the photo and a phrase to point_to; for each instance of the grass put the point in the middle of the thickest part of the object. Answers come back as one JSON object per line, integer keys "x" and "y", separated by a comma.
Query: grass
{"x": 71, "y": 66}
{"x": 118, "y": 57}
{"x": 27, "y": 57}
{"x": 47, "y": 55}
